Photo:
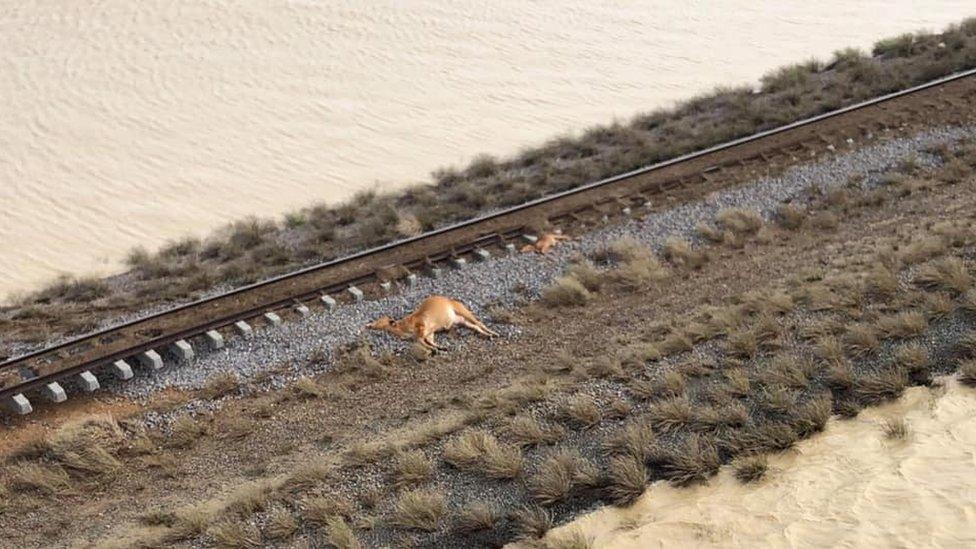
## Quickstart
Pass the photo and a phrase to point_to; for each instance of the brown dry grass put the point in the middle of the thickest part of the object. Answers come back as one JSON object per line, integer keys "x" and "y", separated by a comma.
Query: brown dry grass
{"x": 627, "y": 479}
{"x": 419, "y": 510}
{"x": 750, "y": 468}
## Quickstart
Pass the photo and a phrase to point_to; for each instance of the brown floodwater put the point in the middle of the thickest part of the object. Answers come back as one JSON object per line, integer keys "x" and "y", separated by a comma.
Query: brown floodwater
{"x": 127, "y": 123}
{"x": 850, "y": 486}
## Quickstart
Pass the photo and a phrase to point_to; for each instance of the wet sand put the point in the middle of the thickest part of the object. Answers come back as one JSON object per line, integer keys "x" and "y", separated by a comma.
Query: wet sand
{"x": 847, "y": 487}
{"x": 133, "y": 123}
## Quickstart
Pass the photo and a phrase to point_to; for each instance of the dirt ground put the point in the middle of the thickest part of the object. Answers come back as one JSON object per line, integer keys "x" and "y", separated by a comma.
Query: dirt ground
{"x": 281, "y": 429}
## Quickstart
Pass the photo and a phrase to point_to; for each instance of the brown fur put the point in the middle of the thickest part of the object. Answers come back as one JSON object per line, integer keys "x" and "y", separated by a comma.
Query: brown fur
{"x": 435, "y": 314}
{"x": 545, "y": 243}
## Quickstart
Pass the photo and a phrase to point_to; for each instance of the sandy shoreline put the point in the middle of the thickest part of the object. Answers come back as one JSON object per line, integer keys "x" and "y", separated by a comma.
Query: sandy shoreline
{"x": 849, "y": 486}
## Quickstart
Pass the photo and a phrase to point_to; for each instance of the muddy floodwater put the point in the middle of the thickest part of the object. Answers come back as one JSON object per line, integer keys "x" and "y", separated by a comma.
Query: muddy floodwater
{"x": 847, "y": 487}
{"x": 127, "y": 123}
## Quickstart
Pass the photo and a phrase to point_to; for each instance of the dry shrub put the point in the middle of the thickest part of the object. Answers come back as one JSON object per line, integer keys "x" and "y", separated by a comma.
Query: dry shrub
{"x": 830, "y": 350}
{"x": 811, "y": 416}
{"x": 583, "y": 411}
{"x": 86, "y": 447}
{"x": 634, "y": 439}
{"x": 419, "y": 510}
{"x": 589, "y": 276}
{"x": 628, "y": 478}
{"x": 740, "y": 221}
{"x": 922, "y": 250}
{"x": 605, "y": 367}
{"x": 693, "y": 460}
{"x": 185, "y": 432}
{"x": 787, "y": 370}
{"x": 307, "y": 477}
{"x": 965, "y": 346}
{"x": 790, "y": 217}
{"x": 840, "y": 376}
{"x": 968, "y": 302}
{"x": 750, "y": 468}
{"x": 317, "y": 510}
{"x": 895, "y": 429}
{"x": 250, "y": 498}
{"x": 878, "y": 387}
{"x": 861, "y": 340}
{"x": 742, "y": 344}
{"x": 914, "y": 359}
{"x": 553, "y": 480}
{"x": 338, "y": 534}
{"x": 676, "y": 342}
{"x": 737, "y": 382}
{"x": 221, "y": 385}
{"x": 949, "y": 275}
{"x": 680, "y": 253}
{"x": 306, "y": 388}
{"x": 824, "y": 221}
{"x": 526, "y": 430}
{"x": 880, "y": 283}
{"x": 411, "y": 468}
{"x": 38, "y": 478}
{"x": 967, "y": 373}
{"x": 477, "y": 517}
{"x": 479, "y": 450}
{"x": 758, "y": 439}
{"x": 281, "y": 525}
{"x": 777, "y": 399}
{"x": 620, "y": 407}
{"x": 237, "y": 535}
{"x": 531, "y": 522}
{"x": 903, "y": 325}
{"x": 709, "y": 233}
{"x": 671, "y": 414}
{"x": 566, "y": 291}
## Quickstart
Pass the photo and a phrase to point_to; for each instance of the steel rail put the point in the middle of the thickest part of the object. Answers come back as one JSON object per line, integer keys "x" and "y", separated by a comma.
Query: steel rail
{"x": 37, "y": 368}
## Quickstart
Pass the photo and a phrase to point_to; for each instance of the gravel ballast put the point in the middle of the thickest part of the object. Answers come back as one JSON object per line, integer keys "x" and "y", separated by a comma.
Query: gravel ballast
{"x": 505, "y": 280}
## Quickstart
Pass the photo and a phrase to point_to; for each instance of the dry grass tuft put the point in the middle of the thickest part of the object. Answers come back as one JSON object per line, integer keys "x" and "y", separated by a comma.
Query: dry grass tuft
{"x": 338, "y": 534}
{"x": 824, "y": 221}
{"x": 949, "y": 275}
{"x": 250, "y": 498}
{"x": 881, "y": 386}
{"x": 526, "y": 430}
{"x": 411, "y": 468}
{"x": 671, "y": 414}
{"x": 968, "y": 302}
{"x": 566, "y": 291}
{"x": 742, "y": 344}
{"x": 811, "y": 416}
{"x": 221, "y": 385}
{"x": 479, "y": 450}
{"x": 750, "y": 468}
{"x": 840, "y": 376}
{"x": 634, "y": 439}
{"x": 740, "y": 221}
{"x": 531, "y": 522}
{"x": 306, "y": 388}
{"x": 965, "y": 346}
{"x": 914, "y": 359}
{"x": 38, "y": 478}
{"x": 790, "y": 217}
{"x": 552, "y": 481}
{"x": 895, "y": 429}
{"x": 737, "y": 382}
{"x": 237, "y": 535}
{"x": 477, "y": 517}
{"x": 582, "y": 411}
{"x": 694, "y": 460}
{"x": 185, "y": 432}
{"x": 419, "y": 510}
{"x": 281, "y": 525}
{"x": 777, "y": 399}
{"x": 628, "y": 478}
{"x": 758, "y": 439}
{"x": 880, "y": 283}
{"x": 787, "y": 370}
{"x": 467, "y": 450}
{"x": 605, "y": 367}
{"x": 967, "y": 373}
{"x": 307, "y": 477}
{"x": 317, "y": 510}
{"x": 903, "y": 325}
{"x": 861, "y": 340}
{"x": 680, "y": 253}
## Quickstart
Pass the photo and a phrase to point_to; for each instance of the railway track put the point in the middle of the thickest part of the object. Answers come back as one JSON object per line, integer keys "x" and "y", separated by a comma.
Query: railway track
{"x": 180, "y": 332}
